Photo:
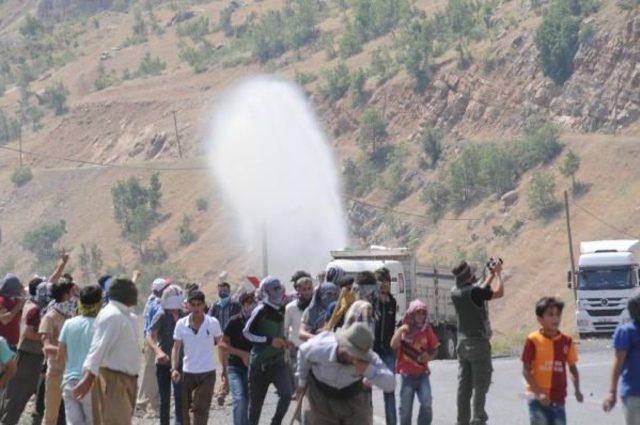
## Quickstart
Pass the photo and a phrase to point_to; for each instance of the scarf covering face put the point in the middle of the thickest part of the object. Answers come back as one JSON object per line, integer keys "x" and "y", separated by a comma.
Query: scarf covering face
{"x": 273, "y": 285}
{"x": 409, "y": 317}
{"x": 10, "y": 286}
{"x": 634, "y": 307}
{"x": 334, "y": 274}
{"x": 89, "y": 310}
{"x": 360, "y": 312}
{"x": 41, "y": 299}
{"x": 66, "y": 308}
{"x": 345, "y": 300}
{"x": 172, "y": 298}
{"x": 324, "y": 295}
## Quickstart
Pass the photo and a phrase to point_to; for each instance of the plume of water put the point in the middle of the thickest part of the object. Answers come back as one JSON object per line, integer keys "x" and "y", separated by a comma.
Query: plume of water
{"x": 274, "y": 167}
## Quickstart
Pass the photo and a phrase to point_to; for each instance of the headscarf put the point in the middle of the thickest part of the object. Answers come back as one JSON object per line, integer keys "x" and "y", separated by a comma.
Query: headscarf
{"x": 409, "y": 317}
{"x": 159, "y": 285}
{"x": 66, "y": 308}
{"x": 334, "y": 274}
{"x": 316, "y": 313}
{"x": 360, "y": 312}
{"x": 345, "y": 300}
{"x": 10, "y": 286}
{"x": 41, "y": 298}
{"x": 634, "y": 307}
{"x": 89, "y": 310}
{"x": 276, "y": 299}
{"x": 172, "y": 298}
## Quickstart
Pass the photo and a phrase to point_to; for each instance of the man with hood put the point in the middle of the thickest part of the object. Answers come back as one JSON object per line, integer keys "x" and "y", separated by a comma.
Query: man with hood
{"x": 416, "y": 344}
{"x": 148, "y": 395}
{"x": 265, "y": 330}
{"x": 160, "y": 338}
{"x": 470, "y": 301}
{"x": 237, "y": 348}
{"x": 293, "y": 316}
{"x": 223, "y": 310}
{"x": 315, "y": 317}
{"x": 626, "y": 341}
{"x": 113, "y": 361}
{"x": 332, "y": 367}
{"x": 12, "y": 299}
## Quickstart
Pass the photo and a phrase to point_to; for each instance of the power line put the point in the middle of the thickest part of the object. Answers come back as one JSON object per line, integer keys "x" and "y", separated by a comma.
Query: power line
{"x": 386, "y": 209}
{"x": 102, "y": 164}
{"x": 606, "y": 223}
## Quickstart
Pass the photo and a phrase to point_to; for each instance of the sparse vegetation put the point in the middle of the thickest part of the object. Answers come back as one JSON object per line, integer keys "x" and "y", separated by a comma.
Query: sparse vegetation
{"x": 187, "y": 236}
{"x": 90, "y": 260}
{"x": 305, "y": 78}
{"x": 358, "y": 80}
{"x": 105, "y": 79}
{"x": 431, "y": 142}
{"x": 21, "y": 176}
{"x": 55, "y": 97}
{"x": 373, "y": 130}
{"x": 150, "y": 66}
{"x": 202, "y": 204}
{"x": 337, "y": 82}
{"x": 570, "y": 166}
{"x": 196, "y": 30}
{"x": 199, "y": 58}
{"x": 541, "y": 195}
{"x": 42, "y": 241}
{"x": 9, "y": 128}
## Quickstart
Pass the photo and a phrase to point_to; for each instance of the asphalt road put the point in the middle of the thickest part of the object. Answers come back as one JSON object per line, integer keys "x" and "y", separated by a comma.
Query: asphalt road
{"x": 506, "y": 404}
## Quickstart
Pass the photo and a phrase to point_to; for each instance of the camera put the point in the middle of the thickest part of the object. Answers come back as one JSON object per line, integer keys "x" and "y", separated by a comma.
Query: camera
{"x": 493, "y": 262}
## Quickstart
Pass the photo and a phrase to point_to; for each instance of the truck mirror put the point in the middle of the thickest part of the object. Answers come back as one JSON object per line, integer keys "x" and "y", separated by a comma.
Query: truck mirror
{"x": 569, "y": 279}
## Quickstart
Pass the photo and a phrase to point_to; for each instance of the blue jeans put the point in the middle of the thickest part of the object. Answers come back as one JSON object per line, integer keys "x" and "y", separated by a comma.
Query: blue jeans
{"x": 390, "y": 398}
{"x": 546, "y": 415}
{"x": 238, "y": 384}
{"x": 415, "y": 385}
{"x": 163, "y": 374}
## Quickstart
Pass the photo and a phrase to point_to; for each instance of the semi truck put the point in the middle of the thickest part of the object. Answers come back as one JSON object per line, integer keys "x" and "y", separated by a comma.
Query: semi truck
{"x": 409, "y": 281}
{"x": 606, "y": 277}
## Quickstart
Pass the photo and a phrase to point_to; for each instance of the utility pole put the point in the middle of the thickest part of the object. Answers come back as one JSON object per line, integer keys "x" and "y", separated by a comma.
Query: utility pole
{"x": 20, "y": 144}
{"x": 175, "y": 126}
{"x": 573, "y": 262}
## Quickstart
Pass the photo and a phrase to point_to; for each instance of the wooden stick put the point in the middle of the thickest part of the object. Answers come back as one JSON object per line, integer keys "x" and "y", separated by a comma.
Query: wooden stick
{"x": 298, "y": 411}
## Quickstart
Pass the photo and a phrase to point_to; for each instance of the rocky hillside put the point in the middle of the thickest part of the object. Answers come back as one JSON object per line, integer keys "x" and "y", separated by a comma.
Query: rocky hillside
{"x": 468, "y": 72}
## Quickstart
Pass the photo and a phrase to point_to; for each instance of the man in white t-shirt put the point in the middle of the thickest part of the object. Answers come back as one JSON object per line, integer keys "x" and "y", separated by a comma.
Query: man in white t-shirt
{"x": 197, "y": 334}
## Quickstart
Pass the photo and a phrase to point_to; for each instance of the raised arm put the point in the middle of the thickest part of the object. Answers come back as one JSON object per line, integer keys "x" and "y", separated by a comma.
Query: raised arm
{"x": 62, "y": 263}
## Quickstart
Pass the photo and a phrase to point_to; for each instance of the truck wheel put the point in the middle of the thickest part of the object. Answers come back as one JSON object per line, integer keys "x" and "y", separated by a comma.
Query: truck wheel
{"x": 448, "y": 345}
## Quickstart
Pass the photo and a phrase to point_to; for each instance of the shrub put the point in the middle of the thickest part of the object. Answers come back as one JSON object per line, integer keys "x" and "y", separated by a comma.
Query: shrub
{"x": 106, "y": 79}
{"x": 358, "y": 178}
{"x": 150, "y": 66}
{"x": 34, "y": 116}
{"x": 431, "y": 141}
{"x": 570, "y": 167}
{"x": 199, "y": 58}
{"x": 154, "y": 254}
{"x": 557, "y": 41}
{"x": 540, "y": 145}
{"x": 55, "y": 97}
{"x": 41, "y": 241}
{"x": 541, "y": 194}
{"x": 10, "y": 128}
{"x": 415, "y": 46}
{"x": 373, "y": 129}
{"x": 21, "y": 176}
{"x": 381, "y": 65}
{"x": 202, "y": 204}
{"x": 31, "y": 27}
{"x": 304, "y": 78}
{"x": 195, "y": 30}
{"x": 337, "y": 82}
{"x": 358, "y": 80}
{"x": 224, "y": 23}
{"x": 436, "y": 196}
{"x": 187, "y": 236}
{"x": 350, "y": 43}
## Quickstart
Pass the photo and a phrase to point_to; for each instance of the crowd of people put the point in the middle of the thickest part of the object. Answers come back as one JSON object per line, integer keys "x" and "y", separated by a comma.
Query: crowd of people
{"x": 75, "y": 350}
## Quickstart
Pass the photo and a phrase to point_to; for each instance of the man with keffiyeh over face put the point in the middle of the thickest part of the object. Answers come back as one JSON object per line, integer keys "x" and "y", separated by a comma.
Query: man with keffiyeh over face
{"x": 416, "y": 344}
{"x": 265, "y": 329}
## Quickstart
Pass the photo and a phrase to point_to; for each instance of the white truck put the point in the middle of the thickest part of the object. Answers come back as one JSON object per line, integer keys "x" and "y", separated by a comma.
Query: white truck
{"x": 409, "y": 281}
{"x": 607, "y": 275}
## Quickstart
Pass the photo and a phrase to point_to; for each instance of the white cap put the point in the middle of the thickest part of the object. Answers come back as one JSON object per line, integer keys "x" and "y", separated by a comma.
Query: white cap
{"x": 159, "y": 284}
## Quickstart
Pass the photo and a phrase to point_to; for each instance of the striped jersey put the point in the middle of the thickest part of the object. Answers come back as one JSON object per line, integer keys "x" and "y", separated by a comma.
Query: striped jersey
{"x": 547, "y": 358}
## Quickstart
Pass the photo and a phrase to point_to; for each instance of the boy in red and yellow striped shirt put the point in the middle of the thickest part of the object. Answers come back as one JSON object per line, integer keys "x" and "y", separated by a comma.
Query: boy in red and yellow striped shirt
{"x": 545, "y": 357}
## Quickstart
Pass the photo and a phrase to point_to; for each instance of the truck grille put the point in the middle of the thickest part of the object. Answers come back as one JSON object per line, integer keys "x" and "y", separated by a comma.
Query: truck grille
{"x": 606, "y": 312}
{"x": 605, "y": 326}
{"x": 608, "y": 302}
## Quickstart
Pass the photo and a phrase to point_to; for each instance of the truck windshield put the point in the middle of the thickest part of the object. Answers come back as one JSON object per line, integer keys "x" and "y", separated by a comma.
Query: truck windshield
{"x": 606, "y": 278}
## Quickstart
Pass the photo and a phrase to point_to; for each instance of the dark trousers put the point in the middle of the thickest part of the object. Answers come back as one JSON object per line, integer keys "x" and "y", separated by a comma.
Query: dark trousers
{"x": 22, "y": 386}
{"x": 259, "y": 380}
{"x": 163, "y": 373}
{"x": 197, "y": 392}
{"x": 474, "y": 379}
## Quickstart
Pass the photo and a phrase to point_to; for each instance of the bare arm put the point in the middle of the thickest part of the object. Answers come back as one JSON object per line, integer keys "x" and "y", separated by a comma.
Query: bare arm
{"x": 175, "y": 354}
{"x": 575, "y": 377}
{"x": 498, "y": 288}
{"x": 222, "y": 354}
{"x": 136, "y": 276}
{"x": 62, "y": 262}
{"x": 49, "y": 346}
{"x": 397, "y": 337}
{"x": 6, "y": 316}
{"x": 225, "y": 344}
{"x": 533, "y": 385}
{"x": 304, "y": 334}
{"x": 9, "y": 372}
{"x": 62, "y": 354}
{"x": 610, "y": 400}
{"x": 30, "y": 334}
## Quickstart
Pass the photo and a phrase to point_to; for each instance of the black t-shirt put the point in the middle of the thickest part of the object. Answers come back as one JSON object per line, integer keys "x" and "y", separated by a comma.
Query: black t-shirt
{"x": 481, "y": 294}
{"x": 164, "y": 324}
{"x": 236, "y": 339}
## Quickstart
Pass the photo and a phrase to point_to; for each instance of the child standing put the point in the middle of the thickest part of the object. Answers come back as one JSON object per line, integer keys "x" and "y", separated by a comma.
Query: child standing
{"x": 626, "y": 341}
{"x": 545, "y": 357}
{"x": 415, "y": 343}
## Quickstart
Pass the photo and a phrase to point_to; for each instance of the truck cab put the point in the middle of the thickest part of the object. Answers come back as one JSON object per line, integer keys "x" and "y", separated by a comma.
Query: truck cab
{"x": 607, "y": 275}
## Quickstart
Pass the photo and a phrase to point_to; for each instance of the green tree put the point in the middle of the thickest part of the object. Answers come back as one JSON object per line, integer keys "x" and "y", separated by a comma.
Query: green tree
{"x": 55, "y": 97}
{"x": 436, "y": 196}
{"x": 541, "y": 195}
{"x": 21, "y": 176}
{"x": 202, "y": 204}
{"x": 358, "y": 80}
{"x": 570, "y": 167}
{"x": 373, "y": 130}
{"x": 464, "y": 176}
{"x": 150, "y": 66}
{"x": 350, "y": 43}
{"x": 431, "y": 141}
{"x": 415, "y": 44}
{"x": 337, "y": 82}
{"x": 187, "y": 236}
{"x": 557, "y": 41}
{"x": 90, "y": 261}
{"x": 10, "y": 128}
{"x": 42, "y": 241}
{"x": 31, "y": 28}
